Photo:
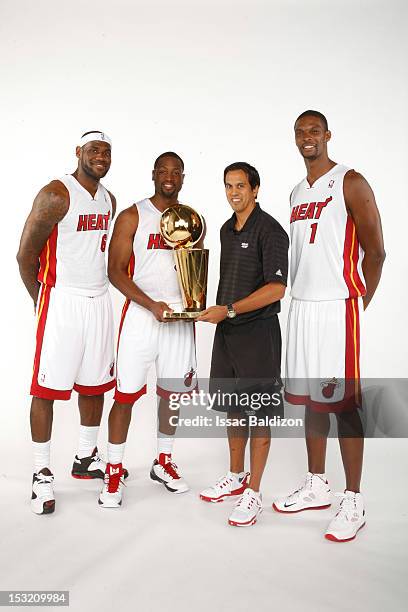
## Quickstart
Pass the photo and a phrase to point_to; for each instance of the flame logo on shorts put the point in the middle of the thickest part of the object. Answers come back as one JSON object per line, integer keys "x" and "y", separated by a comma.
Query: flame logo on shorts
{"x": 328, "y": 387}
{"x": 188, "y": 378}
{"x": 112, "y": 369}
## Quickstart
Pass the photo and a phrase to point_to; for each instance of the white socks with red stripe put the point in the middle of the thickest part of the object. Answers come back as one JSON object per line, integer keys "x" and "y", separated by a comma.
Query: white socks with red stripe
{"x": 41, "y": 452}
{"x": 87, "y": 440}
{"x": 164, "y": 445}
{"x": 116, "y": 452}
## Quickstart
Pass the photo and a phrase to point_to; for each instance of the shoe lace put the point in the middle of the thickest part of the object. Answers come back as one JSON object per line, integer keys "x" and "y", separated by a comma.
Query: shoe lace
{"x": 46, "y": 484}
{"x": 98, "y": 458}
{"x": 223, "y": 482}
{"x": 113, "y": 481}
{"x": 171, "y": 469}
{"x": 307, "y": 484}
{"x": 246, "y": 501}
{"x": 348, "y": 506}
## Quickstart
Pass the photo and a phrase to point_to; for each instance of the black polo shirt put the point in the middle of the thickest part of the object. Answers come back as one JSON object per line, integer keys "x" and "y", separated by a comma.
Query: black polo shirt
{"x": 250, "y": 258}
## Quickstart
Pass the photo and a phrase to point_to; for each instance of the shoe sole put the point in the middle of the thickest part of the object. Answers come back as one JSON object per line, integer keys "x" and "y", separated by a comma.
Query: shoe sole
{"x": 333, "y": 538}
{"x": 248, "y": 524}
{"x": 45, "y": 509}
{"x": 159, "y": 480}
{"x": 217, "y": 500}
{"x": 90, "y": 476}
{"x": 104, "y": 505}
{"x": 301, "y": 509}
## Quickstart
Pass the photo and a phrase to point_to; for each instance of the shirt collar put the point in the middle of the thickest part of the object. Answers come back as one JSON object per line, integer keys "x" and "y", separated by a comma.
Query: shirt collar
{"x": 248, "y": 223}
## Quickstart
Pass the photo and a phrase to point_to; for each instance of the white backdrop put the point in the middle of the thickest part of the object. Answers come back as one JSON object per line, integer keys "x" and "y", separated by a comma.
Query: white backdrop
{"x": 217, "y": 81}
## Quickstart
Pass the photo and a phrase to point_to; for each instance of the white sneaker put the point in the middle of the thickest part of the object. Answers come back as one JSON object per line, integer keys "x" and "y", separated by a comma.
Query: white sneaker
{"x": 91, "y": 467}
{"x": 112, "y": 491}
{"x": 42, "y": 497}
{"x": 165, "y": 472}
{"x": 314, "y": 494}
{"x": 247, "y": 509}
{"x": 228, "y": 486}
{"x": 349, "y": 519}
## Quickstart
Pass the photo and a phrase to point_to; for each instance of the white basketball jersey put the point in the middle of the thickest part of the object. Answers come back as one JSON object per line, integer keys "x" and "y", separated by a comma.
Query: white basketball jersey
{"x": 325, "y": 253}
{"x": 73, "y": 258}
{"x": 152, "y": 264}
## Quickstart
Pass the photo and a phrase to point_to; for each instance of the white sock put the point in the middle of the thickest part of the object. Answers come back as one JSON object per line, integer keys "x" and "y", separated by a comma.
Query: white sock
{"x": 41, "y": 452}
{"x": 322, "y": 477}
{"x": 116, "y": 452}
{"x": 165, "y": 445}
{"x": 87, "y": 440}
{"x": 238, "y": 475}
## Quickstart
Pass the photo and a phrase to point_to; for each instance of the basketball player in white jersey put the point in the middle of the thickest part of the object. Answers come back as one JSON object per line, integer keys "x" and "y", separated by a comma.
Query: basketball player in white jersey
{"x": 62, "y": 264}
{"x": 337, "y": 254}
{"x": 141, "y": 266}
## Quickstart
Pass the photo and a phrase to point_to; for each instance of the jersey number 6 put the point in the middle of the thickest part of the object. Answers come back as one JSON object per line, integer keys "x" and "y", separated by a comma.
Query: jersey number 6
{"x": 103, "y": 242}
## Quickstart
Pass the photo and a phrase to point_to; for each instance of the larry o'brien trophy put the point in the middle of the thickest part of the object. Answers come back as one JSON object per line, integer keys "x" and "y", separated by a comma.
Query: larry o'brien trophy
{"x": 182, "y": 227}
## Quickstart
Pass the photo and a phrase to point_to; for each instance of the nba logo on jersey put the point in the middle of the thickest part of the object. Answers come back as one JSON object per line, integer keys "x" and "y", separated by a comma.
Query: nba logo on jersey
{"x": 331, "y": 183}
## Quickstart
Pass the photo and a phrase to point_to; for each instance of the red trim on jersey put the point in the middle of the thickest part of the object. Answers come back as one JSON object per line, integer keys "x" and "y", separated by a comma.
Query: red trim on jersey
{"x": 36, "y": 389}
{"x": 49, "y": 394}
{"x": 122, "y": 317}
{"x": 129, "y": 398}
{"x": 122, "y": 320}
{"x": 297, "y": 400}
{"x": 352, "y": 384}
{"x": 94, "y": 390}
{"x": 352, "y": 365}
{"x": 48, "y": 260}
{"x": 355, "y": 257}
{"x": 165, "y": 394}
{"x": 44, "y": 301}
{"x": 351, "y": 252}
{"x": 131, "y": 265}
{"x": 131, "y": 269}
{"x": 348, "y": 403}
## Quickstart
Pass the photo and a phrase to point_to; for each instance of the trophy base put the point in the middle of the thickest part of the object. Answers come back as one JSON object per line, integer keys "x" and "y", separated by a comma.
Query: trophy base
{"x": 181, "y": 316}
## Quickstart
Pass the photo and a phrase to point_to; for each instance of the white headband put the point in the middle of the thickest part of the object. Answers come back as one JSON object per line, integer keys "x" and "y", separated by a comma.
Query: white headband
{"x": 94, "y": 136}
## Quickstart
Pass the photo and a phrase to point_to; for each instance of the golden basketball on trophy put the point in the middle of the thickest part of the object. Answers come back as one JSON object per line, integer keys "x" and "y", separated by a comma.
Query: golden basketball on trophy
{"x": 182, "y": 228}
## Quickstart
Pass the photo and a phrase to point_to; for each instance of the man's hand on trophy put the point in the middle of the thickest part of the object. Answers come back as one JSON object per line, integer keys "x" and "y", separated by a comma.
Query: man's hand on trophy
{"x": 158, "y": 309}
{"x": 213, "y": 314}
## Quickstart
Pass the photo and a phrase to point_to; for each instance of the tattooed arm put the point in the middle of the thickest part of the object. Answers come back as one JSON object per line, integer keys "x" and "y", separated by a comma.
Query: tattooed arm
{"x": 50, "y": 206}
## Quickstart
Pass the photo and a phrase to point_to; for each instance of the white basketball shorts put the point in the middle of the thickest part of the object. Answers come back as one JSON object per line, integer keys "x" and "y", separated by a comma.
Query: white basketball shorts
{"x": 143, "y": 341}
{"x": 323, "y": 354}
{"x": 74, "y": 348}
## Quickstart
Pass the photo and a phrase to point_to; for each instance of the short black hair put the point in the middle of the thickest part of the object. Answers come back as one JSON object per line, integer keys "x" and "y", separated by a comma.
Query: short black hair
{"x": 251, "y": 172}
{"x": 314, "y": 113}
{"x": 168, "y": 154}
{"x": 92, "y": 132}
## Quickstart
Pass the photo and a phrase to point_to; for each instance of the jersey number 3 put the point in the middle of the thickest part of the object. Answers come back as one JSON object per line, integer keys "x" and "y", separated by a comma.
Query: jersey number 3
{"x": 313, "y": 227}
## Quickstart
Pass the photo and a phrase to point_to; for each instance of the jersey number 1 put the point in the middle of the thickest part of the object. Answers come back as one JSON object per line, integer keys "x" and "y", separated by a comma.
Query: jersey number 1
{"x": 313, "y": 227}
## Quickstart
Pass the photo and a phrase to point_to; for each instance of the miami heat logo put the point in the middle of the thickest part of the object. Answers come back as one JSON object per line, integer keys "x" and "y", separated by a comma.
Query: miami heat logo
{"x": 188, "y": 378}
{"x": 112, "y": 369}
{"x": 328, "y": 387}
